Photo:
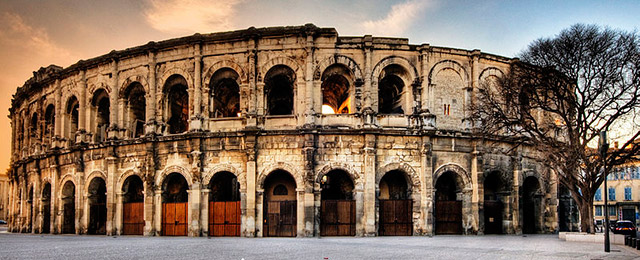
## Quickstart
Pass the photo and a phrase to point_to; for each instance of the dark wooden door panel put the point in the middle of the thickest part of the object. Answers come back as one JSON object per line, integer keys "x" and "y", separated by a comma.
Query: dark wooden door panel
{"x": 174, "y": 219}
{"x": 338, "y": 218}
{"x": 492, "y": 217}
{"x": 448, "y": 217}
{"x": 133, "y": 218}
{"x": 396, "y": 218}
{"x": 224, "y": 218}
{"x": 281, "y": 219}
{"x": 69, "y": 222}
{"x": 46, "y": 225}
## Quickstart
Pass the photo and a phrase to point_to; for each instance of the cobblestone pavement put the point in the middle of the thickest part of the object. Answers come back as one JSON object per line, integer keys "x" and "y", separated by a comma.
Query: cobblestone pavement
{"x": 26, "y": 246}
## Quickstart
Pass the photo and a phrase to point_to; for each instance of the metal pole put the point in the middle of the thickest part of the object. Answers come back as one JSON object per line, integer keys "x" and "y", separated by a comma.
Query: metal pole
{"x": 604, "y": 146}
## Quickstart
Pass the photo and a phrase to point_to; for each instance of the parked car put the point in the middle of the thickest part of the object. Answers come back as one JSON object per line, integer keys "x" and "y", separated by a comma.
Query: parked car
{"x": 625, "y": 227}
{"x": 2, "y": 222}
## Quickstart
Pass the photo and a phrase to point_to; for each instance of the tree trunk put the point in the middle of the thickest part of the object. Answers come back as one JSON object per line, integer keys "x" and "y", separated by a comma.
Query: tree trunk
{"x": 586, "y": 215}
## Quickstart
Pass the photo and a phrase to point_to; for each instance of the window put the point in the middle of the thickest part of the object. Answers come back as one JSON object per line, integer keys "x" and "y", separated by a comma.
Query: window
{"x": 280, "y": 190}
{"x": 612, "y": 193}
{"x": 447, "y": 109}
{"x": 627, "y": 193}
{"x": 598, "y": 195}
{"x": 598, "y": 210}
{"x": 612, "y": 211}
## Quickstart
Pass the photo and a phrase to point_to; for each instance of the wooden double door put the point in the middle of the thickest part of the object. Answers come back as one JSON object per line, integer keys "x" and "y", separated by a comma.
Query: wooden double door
{"x": 395, "y": 218}
{"x": 69, "y": 219}
{"x": 98, "y": 219}
{"x": 281, "y": 218}
{"x": 338, "y": 218}
{"x": 493, "y": 217}
{"x": 174, "y": 219}
{"x": 448, "y": 217}
{"x": 133, "y": 218}
{"x": 224, "y": 218}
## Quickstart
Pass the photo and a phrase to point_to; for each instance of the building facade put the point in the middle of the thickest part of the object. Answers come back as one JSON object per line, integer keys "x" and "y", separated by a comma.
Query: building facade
{"x": 282, "y": 131}
{"x": 623, "y": 191}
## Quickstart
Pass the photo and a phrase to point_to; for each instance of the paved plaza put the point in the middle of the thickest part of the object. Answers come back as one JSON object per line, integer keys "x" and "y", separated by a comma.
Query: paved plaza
{"x": 27, "y": 246}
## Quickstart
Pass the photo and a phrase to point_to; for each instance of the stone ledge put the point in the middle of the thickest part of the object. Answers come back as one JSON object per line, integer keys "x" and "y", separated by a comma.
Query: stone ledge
{"x": 616, "y": 239}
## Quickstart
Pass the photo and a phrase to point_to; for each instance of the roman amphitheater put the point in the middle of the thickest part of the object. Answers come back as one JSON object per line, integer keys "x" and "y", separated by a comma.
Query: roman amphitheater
{"x": 280, "y": 131}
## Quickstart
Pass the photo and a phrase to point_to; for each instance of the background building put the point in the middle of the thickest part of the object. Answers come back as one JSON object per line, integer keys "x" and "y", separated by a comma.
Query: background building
{"x": 283, "y": 131}
{"x": 623, "y": 194}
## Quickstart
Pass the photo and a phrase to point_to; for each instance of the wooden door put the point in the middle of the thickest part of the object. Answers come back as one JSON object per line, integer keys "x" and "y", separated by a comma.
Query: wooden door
{"x": 69, "y": 222}
{"x": 174, "y": 219}
{"x": 281, "y": 218}
{"x": 224, "y": 218}
{"x": 338, "y": 218}
{"x": 395, "y": 218}
{"x": 492, "y": 217}
{"x": 46, "y": 219}
{"x": 98, "y": 218}
{"x": 133, "y": 218}
{"x": 448, "y": 217}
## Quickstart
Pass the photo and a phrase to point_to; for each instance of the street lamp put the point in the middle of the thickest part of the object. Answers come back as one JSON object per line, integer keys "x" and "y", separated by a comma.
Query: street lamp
{"x": 603, "y": 146}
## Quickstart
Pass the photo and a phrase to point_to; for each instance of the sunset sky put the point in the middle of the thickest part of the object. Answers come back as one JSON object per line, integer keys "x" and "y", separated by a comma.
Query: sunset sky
{"x": 34, "y": 34}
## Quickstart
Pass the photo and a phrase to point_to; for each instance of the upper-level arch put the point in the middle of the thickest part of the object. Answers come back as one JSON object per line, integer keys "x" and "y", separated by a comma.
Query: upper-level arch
{"x": 398, "y": 60}
{"x": 292, "y": 64}
{"x": 226, "y": 63}
{"x": 338, "y": 59}
{"x": 449, "y": 64}
{"x": 126, "y": 84}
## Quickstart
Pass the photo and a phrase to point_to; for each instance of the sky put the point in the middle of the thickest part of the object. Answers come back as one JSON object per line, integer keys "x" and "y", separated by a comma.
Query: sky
{"x": 37, "y": 33}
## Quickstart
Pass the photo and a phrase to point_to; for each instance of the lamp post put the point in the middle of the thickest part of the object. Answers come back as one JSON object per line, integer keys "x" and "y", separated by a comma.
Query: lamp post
{"x": 603, "y": 146}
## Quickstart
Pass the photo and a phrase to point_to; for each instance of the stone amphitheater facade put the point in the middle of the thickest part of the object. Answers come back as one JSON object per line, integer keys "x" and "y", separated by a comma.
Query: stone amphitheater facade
{"x": 293, "y": 131}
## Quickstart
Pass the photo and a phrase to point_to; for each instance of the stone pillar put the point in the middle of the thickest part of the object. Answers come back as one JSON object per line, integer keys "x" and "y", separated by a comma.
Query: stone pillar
{"x": 259, "y": 212}
{"x": 204, "y": 212}
{"x": 82, "y": 112}
{"x": 150, "y": 113}
{"x": 55, "y": 201}
{"x": 300, "y": 213}
{"x": 118, "y": 215}
{"x": 149, "y": 206}
{"x": 370, "y": 198}
{"x": 57, "y": 131}
{"x": 196, "y": 118}
{"x": 476, "y": 199}
{"x": 79, "y": 203}
{"x": 194, "y": 210}
{"x": 157, "y": 216}
{"x": 425, "y": 66}
{"x": 113, "y": 100}
{"x": 85, "y": 214}
{"x": 427, "y": 201}
{"x": 112, "y": 174}
{"x": 309, "y": 212}
{"x": 515, "y": 200}
{"x": 253, "y": 88}
{"x": 360, "y": 225}
{"x": 249, "y": 220}
{"x": 309, "y": 105}
{"x": 369, "y": 101}
{"x": 122, "y": 125}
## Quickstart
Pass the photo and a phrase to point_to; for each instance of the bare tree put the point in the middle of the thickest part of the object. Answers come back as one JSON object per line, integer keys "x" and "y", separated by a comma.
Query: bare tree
{"x": 568, "y": 88}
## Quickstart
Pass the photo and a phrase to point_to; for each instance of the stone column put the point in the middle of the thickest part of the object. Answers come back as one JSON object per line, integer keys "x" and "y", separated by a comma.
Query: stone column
{"x": 157, "y": 216}
{"x": 425, "y": 66}
{"x": 309, "y": 106}
{"x": 360, "y": 225}
{"x": 249, "y": 220}
{"x": 196, "y": 118}
{"x": 259, "y": 212}
{"x": 204, "y": 212}
{"x": 150, "y": 113}
{"x": 79, "y": 203}
{"x": 476, "y": 199}
{"x": 370, "y": 199}
{"x": 149, "y": 206}
{"x": 54, "y": 198}
{"x": 112, "y": 174}
{"x": 194, "y": 210}
{"x": 122, "y": 125}
{"x": 300, "y": 224}
{"x": 113, "y": 100}
{"x": 118, "y": 227}
{"x": 253, "y": 88}
{"x": 82, "y": 112}
{"x": 515, "y": 200}
{"x": 427, "y": 201}
{"x": 85, "y": 214}
{"x": 57, "y": 131}
{"x": 368, "y": 92}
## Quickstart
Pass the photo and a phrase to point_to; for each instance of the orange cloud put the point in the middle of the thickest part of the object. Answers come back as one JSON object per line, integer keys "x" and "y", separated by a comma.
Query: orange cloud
{"x": 191, "y": 15}
{"x": 397, "y": 20}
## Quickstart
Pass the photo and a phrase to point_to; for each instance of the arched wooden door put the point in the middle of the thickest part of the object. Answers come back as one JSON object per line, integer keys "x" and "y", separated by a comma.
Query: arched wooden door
{"x": 97, "y": 206}
{"x": 338, "y": 209}
{"x": 224, "y": 205}
{"x": 280, "y": 207}
{"x": 396, "y": 209}
{"x": 69, "y": 208}
{"x": 174, "y": 205}
{"x": 448, "y": 210}
{"x": 46, "y": 208}
{"x": 493, "y": 207}
{"x": 133, "y": 206}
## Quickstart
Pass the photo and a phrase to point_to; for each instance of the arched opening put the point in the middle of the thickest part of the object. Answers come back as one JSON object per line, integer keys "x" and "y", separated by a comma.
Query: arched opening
{"x": 176, "y": 90}
{"x": 97, "y": 197}
{"x": 30, "y": 209}
{"x": 336, "y": 85}
{"x": 280, "y": 205}
{"x": 224, "y": 205}
{"x": 174, "y": 205}
{"x": 338, "y": 208}
{"x": 391, "y": 89}
{"x": 73, "y": 106}
{"x": 135, "y": 112}
{"x": 278, "y": 90}
{"x": 69, "y": 208}
{"x": 448, "y": 209}
{"x": 49, "y": 123}
{"x": 46, "y": 209}
{"x": 396, "y": 206}
{"x": 33, "y": 127}
{"x": 494, "y": 198}
{"x": 100, "y": 105}
{"x": 133, "y": 206}
{"x": 530, "y": 205}
{"x": 224, "y": 94}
